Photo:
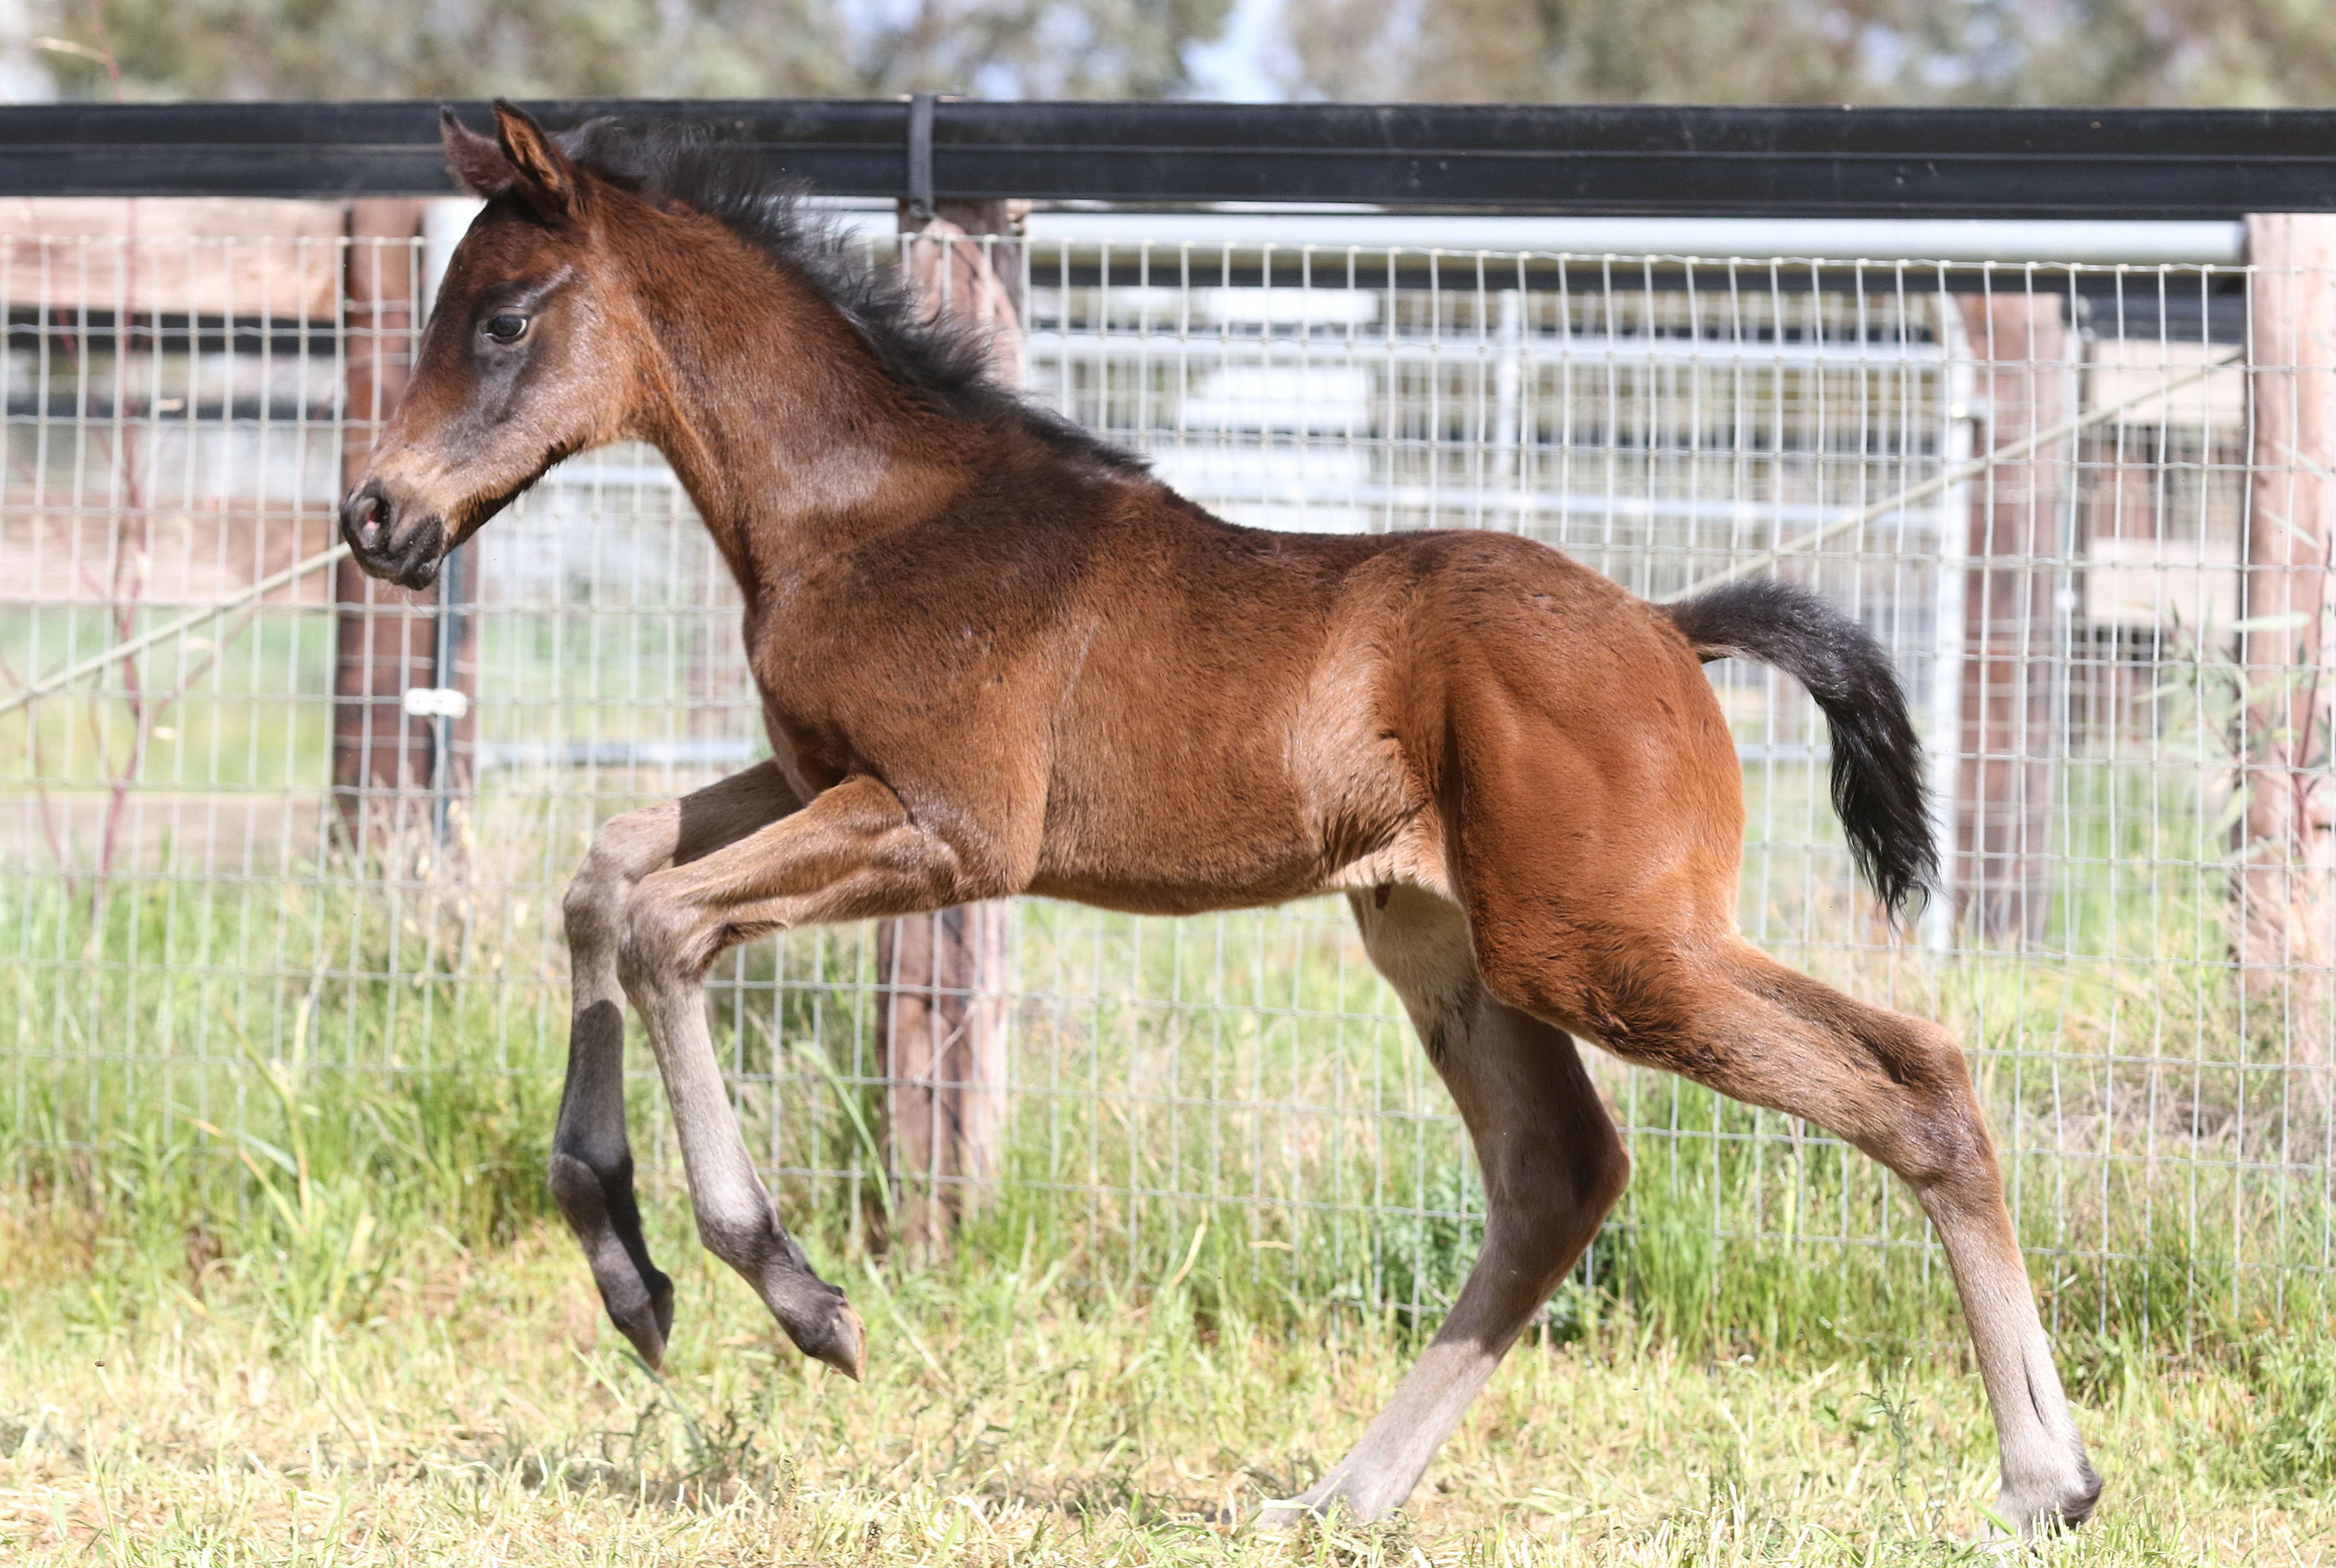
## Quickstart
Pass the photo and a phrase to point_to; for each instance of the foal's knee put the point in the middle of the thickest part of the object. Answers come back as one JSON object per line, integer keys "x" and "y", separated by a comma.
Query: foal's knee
{"x": 1602, "y": 1172}
{"x": 624, "y": 850}
{"x": 1594, "y": 1167}
{"x": 658, "y": 943}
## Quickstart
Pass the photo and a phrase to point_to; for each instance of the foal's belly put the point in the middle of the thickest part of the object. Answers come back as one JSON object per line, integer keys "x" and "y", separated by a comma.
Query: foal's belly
{"x": 1195, "y": 861}
{"x": 1277, "y": 777}
{"x": 1195, "y": 876}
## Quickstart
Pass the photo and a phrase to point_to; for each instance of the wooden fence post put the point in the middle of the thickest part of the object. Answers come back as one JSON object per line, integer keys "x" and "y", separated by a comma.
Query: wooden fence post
{"x": 394, "y": 771}
{"x": 2290, "y": 824}
{"x": 2024, "y": 374}
{"x": 942, "y": 1012}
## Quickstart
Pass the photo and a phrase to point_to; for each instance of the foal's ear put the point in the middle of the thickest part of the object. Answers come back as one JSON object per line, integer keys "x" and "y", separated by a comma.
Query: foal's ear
{"x": 476, "y": 161}
{"x": 544, "y": 177}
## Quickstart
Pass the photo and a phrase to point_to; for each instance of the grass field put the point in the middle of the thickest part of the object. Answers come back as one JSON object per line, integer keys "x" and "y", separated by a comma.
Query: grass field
{"x": 476, "y": 1409}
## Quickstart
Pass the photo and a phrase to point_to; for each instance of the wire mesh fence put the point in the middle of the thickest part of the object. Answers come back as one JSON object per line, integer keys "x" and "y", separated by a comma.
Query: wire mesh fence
{"x": 326, "y": 827}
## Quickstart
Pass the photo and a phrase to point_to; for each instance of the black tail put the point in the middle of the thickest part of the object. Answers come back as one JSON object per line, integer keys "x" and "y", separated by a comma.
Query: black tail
{"x": 1877, "y": 761}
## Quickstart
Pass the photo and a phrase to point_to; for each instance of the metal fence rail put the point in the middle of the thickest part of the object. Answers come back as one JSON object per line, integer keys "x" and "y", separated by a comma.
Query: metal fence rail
{"x": 1595, "y": 157}
{"x": 2047, "y": 488}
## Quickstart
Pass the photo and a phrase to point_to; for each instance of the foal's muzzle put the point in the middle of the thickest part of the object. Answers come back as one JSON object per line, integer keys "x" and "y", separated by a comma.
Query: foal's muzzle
{"x": 404, "y": 551}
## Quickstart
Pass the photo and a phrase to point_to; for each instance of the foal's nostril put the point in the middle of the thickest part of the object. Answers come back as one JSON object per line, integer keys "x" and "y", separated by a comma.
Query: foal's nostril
{"x": 362, "y": 518}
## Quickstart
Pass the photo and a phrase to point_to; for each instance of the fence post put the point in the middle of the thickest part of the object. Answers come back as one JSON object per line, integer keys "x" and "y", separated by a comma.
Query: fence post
{"x": 2290, "y": 822}
{"x": 942, "y": 1012}
{"x": 2022, "y": 368}
{"x": 395, "y": 771}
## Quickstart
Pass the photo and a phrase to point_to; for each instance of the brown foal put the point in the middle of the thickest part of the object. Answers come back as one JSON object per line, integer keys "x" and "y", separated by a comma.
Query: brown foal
{"x": 996, "y": 657}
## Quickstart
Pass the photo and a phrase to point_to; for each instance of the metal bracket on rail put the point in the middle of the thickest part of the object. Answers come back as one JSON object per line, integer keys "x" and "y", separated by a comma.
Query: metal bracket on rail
{"x": 921, "y": 155}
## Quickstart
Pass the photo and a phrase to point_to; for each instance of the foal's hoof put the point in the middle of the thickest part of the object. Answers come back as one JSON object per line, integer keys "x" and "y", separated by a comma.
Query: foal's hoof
{"x": 2061, "y": 1507}
{"x": 643, "y": 1314}
{"x": 1344, "y": 1497}
{"x": 647, "y": 1322}
{"x": 1327, "y": 1499}
{"x": 1285, "y": 1518}
{"x": 842, "y": 1341}
{"x": 647, "y": 1343}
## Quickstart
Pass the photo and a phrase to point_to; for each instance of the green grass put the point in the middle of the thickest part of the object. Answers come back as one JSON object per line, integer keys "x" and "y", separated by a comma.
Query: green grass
{"x": 470, "y": 1406}
{"x": 246, "y": 703}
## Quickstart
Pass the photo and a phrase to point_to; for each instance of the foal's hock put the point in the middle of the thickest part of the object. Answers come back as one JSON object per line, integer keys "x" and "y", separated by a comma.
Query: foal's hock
{"x": 997, "y": 658}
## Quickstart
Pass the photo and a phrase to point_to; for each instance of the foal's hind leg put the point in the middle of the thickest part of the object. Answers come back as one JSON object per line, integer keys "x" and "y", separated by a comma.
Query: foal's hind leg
{"x": 1714, "y": 1008}
{"x": 1552, "y": 1166}
{"x": 591, "y": 1160}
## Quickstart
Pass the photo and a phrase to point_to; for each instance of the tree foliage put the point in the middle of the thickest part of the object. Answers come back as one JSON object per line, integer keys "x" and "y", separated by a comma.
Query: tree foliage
{"x": 1980, "y": 51}
{"x": 344, "y": 49}
{"x": 2001, "y": 51}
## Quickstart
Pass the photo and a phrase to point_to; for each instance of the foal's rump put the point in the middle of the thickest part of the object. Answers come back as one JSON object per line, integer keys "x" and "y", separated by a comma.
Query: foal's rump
{"x": 1587, "y": 779}
{"x": 1586, "y": 771}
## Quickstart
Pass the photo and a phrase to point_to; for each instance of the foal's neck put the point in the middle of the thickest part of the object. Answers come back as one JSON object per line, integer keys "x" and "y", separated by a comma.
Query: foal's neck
{"x": 790, "y": 436}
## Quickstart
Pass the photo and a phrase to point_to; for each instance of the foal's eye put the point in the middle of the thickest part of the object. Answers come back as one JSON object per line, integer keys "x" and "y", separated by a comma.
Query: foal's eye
{"x": 506, "y": 326}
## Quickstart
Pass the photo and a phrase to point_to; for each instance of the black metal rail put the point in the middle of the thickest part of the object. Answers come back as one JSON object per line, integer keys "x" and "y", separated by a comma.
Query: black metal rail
{"x": 1633, "y": 158}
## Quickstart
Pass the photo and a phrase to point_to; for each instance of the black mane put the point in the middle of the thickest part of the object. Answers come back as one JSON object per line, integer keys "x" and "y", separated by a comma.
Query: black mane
{"x": 918, "y": 347}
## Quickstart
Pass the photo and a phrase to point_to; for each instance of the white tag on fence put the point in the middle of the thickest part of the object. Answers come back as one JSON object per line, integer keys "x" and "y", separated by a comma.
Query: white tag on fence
{"x": 436, "y": 702}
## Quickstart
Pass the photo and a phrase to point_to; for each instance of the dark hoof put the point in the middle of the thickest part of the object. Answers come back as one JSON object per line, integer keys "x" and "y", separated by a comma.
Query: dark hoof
{"x": 842, "y": 1341}
{"x": 599, "y": 1208}
{"x": 2078, "y": 1508}
{"x": 648, "y": 1324}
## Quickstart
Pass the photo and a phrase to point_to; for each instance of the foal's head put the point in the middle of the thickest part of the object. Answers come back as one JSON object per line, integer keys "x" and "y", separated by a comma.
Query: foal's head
{"x": 611, "y": 268}
{"x": 532, "y": 352}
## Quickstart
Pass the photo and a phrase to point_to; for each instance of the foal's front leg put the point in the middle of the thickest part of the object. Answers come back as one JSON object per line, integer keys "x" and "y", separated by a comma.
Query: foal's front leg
{"x": 591, "y": 1171}
{"x": 852, "y": 854}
